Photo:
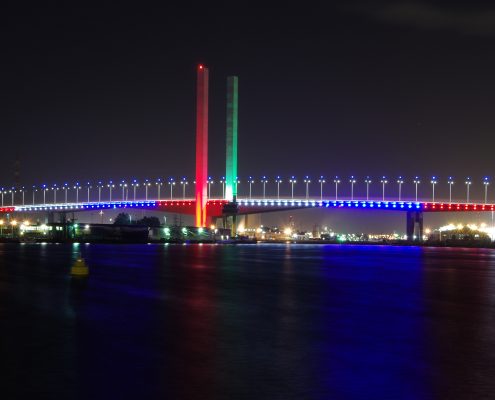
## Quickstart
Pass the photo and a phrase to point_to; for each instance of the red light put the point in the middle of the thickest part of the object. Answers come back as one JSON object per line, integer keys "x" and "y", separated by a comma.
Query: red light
{"x": 200, "y": 66}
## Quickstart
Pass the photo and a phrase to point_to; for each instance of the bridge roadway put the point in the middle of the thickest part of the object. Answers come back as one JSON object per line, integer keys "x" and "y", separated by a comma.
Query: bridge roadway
{"x": 251, "y": 206}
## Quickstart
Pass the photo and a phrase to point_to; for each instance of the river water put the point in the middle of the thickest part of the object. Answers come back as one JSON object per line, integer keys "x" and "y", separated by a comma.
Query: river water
{"x": 247, "y": 322}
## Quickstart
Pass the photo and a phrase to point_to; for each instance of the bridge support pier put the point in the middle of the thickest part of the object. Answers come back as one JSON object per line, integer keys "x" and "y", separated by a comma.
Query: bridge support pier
{"x": 414, "y": 226}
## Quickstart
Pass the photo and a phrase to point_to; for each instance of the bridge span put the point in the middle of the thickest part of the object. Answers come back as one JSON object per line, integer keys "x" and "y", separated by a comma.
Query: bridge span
{"x": 221, "y": 208}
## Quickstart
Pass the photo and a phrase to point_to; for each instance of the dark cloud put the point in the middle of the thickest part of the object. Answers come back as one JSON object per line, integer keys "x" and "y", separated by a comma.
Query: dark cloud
{"x": 432, "y": 17}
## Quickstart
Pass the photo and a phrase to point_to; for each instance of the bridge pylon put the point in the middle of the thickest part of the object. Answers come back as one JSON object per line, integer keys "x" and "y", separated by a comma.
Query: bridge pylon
{"x": 201, "y": 145}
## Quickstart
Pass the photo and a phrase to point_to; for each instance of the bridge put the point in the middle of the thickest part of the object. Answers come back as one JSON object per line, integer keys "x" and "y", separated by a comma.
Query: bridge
{"x": 207, "y": 209}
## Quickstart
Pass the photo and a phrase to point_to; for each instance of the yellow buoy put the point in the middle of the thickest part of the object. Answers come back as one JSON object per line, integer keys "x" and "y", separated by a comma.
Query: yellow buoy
{"x": 80, "y": 268}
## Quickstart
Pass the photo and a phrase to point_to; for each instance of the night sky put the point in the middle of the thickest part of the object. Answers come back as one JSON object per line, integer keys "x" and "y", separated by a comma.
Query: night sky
{"x": 392, "y": 88}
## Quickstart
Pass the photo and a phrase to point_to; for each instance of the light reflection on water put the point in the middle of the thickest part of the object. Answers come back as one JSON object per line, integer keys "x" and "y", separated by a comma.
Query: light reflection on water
{"x": 248, "y": 321}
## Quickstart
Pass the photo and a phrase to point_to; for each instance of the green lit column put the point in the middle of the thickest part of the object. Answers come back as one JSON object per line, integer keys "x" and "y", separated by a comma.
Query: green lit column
{"x": 231, "y": 159}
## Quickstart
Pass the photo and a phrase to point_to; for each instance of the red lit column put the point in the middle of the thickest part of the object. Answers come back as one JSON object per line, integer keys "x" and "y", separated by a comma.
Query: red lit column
{"x": 201, "y": 145}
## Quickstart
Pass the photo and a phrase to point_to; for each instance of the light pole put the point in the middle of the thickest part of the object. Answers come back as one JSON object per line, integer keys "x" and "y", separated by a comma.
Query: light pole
{"x": 416, "y": 183}
{"x": 23, "y": 191}
{"x": 134, "y": 185}
{"x": 88, "y": 187}
{"x": 278, "y": 180}
{"x": 236, "y": 184}
{"x": 433, "y": 183}
{"x": 34, "y": 191}
{"x": 147, "y": 184}
{"x": 336, "y": 181}
{"x": 383, "y": 182}
{"x": 222, "y": 181}
{"x": 77, "y": 187}
{"x": 100, "y": 185}
{"x": 45, "y": 188}
{"x": 352, "y": 181}
{"x": 55, "y": 189}
{"x": 66, "y": 187}
{"x": 292, "y": 181}
{"x": 486, "y": 182}
{"x": 209, "y": 181}
{"x": 184, "y": 182}
{"x": 450, "y": 182}
{"x": 110, "y": 186}
{"x": 307, "y": 181}
{"x": 12, "y": 191}
{"x": 250, "y": 181}
{"x": 321, "y": 181}
{"x": 2, "y": 191}
{"x": 171, "y": 182}
{"x": 159, "y": 184}
{"x": 123, "y": 186}
{"x": 468, "y": 184}
{"x": 367, "y": 181}
{"x": 264, "y": 181}
{"x": 400, "y": 182}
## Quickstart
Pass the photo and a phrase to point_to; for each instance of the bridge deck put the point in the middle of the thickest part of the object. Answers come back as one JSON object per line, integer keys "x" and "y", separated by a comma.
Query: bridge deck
{"x": 187, "y": 206}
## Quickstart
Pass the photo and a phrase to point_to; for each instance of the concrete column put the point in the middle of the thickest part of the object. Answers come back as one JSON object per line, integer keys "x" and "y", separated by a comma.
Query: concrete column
{"x": 414, "y": 226}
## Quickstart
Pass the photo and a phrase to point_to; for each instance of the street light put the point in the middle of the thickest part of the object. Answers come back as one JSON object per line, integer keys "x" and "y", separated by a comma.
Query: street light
{"x": 134, "y": 185}
{"x": 159, "y": 184}
{"x": 336, "y": 181}
{"x": 55, "y": 189}
{"x": 400, "y": 181}
{"x": 2, "y": 191}
{"x": 184, "y": 182}
{"x": 450, "y": 182}
{"x": 123, "y": 185}
{"x": 34, "y": 191}
{"x": 367, "y": 181}
{"x": 77, "y": 187}
{"x": 321, "y": 182}
{"x": 433, "y": 183}
{"x": 468, "y": 184}
{"x": 222, "y": 181}
{"x": 250, "y": 181}
{"x": 45, "y": 188}
{"x": 110, "y": 186}
{"x": 236, "y": 184}
{"x": 12, "y": 191}
{"x": 416, "y": 183}
{"x": 171, "y": 182}
{"x": 65, "y": 188}
{"x": 264, "y": 181}
{"x": 209, "y": 181}
{"x": 352, "y": 181}
{"x": 147, "y": 184}
{"x": 292, "y": 181}
{"x": 307, "y": 181}
{"x": 383, "y": 182}
{"x": 88, "y": 186}
{"x": 23, "y": 191}
{"x": 486, "y": 182}
{"x": 278, "y": 180}
{"x": 100, "y": 185}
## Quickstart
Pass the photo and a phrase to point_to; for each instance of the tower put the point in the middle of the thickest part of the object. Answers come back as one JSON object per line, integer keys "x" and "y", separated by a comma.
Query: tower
{"x": 201, "y": 144}
{"x": 231, "y": 145}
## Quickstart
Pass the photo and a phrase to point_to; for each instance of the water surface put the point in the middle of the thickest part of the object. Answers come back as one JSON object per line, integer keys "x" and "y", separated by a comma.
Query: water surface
{"x": 247, "y": 322}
